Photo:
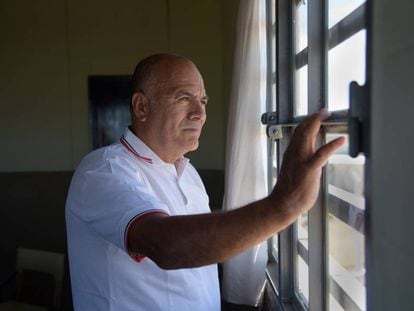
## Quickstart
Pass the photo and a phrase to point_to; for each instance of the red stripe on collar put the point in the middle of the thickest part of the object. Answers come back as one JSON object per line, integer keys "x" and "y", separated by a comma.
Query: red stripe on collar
{"x": 127, "y": 145}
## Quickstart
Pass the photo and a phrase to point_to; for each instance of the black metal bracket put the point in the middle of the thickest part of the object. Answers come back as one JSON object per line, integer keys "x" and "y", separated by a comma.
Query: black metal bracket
{"x": 269, "y": 118}
{"x": 358, "y": 124}
{"x": 273, "y": 130}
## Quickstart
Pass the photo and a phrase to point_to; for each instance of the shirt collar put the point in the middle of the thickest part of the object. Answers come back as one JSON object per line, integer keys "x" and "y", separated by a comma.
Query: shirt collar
{"x": 144, "y": 153}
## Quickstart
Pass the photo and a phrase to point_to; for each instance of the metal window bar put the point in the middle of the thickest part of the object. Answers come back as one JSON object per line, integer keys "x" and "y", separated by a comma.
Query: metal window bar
{"x": 317, "y": 95}
{"x": 284, "y": 62}
{"x": 343, "y": 30}
{"x": 369, "y": 258}
{"x": 284, "y": 80}
{"x": 270, "y": 33}
{"x": 272, "y": 273}
{"x": 337, "y": 119}
{"x": 269, "y": 69}
{"x": 270, "y": 98}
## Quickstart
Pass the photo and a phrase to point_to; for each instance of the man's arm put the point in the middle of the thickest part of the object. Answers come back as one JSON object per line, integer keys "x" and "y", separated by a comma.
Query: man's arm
{"x": 175, "y": 242}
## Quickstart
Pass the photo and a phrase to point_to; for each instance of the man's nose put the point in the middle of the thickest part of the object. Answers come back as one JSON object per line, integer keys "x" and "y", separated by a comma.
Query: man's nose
{"x": 198, "y": 110}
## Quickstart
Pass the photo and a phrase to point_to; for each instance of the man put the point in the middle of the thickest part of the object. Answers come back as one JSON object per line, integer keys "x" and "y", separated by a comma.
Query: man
{"x": 140, "y": 234}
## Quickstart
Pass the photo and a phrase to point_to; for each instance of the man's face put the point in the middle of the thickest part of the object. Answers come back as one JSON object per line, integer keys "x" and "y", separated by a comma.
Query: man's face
{"x": 177, "y": 109}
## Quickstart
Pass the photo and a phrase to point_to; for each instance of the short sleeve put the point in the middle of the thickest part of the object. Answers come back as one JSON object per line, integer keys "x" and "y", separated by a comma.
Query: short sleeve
{"x": 111, "y": 197}
{"x": 136, "y": 256}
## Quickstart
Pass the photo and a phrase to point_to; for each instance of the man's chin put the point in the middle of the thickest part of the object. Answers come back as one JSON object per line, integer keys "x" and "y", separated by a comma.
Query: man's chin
{"x": 192, "y": 146}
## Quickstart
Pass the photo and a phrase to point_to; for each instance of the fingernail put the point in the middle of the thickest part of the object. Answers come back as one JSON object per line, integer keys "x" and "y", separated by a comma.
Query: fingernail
{"x": 324, "y": 112}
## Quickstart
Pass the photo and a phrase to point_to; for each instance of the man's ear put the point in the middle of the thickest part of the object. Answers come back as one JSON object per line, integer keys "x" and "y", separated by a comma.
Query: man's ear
{"x": 140, "y": 106}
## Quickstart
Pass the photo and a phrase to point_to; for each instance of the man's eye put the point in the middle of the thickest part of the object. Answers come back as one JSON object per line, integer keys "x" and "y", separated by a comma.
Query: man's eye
{"x": 204, "y": 102}
{"x": 184, "y": 98}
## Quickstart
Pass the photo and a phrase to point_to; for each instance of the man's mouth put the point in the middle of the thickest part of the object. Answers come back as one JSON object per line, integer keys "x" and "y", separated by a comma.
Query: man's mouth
{"x": 192, "y": 129}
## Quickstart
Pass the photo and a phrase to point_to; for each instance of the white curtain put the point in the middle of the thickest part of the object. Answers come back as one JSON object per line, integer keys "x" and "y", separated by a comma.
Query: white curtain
{"x": 246, "y": 170}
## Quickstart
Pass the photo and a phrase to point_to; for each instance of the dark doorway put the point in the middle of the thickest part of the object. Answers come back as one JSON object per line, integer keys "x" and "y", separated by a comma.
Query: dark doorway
{"x": 109, "y": 98}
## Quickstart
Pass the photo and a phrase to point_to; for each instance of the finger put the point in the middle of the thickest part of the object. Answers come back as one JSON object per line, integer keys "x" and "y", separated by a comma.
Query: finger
{"x": 322, "y": 155}
{"x": 314, "y": 123}
{"x": 308, "y": 130}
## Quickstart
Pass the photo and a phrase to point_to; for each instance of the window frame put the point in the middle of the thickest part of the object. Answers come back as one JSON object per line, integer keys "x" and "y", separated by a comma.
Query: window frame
{"x": 281, "y": 271}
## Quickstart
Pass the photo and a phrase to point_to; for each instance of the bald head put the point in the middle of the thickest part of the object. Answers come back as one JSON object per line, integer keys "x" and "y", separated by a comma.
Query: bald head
{"x": 148, "y": 70}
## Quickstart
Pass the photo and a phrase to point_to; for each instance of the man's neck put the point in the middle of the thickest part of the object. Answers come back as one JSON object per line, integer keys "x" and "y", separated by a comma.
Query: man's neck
{"x": 159, "y": 150}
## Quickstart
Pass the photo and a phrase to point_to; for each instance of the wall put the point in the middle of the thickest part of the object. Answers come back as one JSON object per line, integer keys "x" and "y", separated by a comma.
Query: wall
{"x": 390, "y": 213}
{"x": 34, "y": 96}
{"x": 50, "y": 47}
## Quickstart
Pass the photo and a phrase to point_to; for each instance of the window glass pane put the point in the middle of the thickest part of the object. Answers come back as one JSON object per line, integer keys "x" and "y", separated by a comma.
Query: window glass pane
{"x": 338, "y": 9}
{"x": 346, "y": 206}
{"x": 346, "y": 64}
{"x": 302, "y": 275}
{"x": 301, "y": 94}
{"x": 300, "y": 22}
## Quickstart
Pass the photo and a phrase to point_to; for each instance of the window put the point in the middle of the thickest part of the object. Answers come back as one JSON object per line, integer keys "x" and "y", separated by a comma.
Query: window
{"x": 316, "y": 49}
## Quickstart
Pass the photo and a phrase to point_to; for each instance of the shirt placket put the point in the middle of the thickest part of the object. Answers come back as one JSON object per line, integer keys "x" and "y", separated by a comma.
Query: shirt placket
{"x": 176, "y": 179}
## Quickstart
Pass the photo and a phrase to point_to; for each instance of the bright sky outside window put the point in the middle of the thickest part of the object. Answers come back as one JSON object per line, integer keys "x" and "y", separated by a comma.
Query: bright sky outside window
{"x": 301, "y": 25}
{"x": 301, "y": 43}
{"x": 338, "y": 9}
{"x": 346, "y": 64}
{"x": 301, "y": 102}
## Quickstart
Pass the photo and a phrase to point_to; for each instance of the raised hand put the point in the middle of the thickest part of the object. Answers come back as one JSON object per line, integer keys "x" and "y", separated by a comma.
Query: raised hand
{"x": 298, "y": 183}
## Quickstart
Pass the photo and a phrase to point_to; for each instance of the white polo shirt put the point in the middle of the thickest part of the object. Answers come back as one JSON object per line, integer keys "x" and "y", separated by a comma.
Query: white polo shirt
{"x": 111, "y": 187}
